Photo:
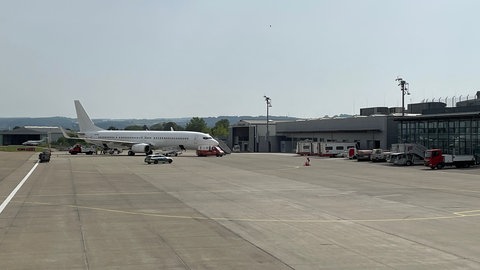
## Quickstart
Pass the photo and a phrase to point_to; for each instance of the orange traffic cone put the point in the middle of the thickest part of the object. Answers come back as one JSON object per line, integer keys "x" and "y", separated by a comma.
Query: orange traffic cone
{"x": 307, "y": 162}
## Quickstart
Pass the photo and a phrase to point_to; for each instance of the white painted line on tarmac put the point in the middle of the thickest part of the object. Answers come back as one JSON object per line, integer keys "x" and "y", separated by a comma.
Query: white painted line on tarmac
{"x": 10, "y": 197}
{"x": 472, "y": 213}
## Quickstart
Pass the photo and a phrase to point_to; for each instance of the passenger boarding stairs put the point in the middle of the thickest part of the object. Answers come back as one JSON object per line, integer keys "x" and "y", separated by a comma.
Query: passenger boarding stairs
{"x": 224, "y": 147}
{"x": 409, "y": 148}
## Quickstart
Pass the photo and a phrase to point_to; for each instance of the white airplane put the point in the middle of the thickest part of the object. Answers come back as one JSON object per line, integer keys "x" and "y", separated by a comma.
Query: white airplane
{"x": 34, "y": 142}
{"x": 144, "y": 141}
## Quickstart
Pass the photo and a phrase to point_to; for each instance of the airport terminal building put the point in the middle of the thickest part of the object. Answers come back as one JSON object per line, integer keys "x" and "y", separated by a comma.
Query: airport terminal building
{"x": 455, "y": 130}
{"x": 432, "y": 124}
{"x": 454, "y": 133}
{"x": 367, "y": 132}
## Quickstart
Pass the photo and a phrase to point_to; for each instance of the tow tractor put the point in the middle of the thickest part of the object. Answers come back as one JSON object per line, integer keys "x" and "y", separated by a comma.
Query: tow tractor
{"x": 77, "y": 149}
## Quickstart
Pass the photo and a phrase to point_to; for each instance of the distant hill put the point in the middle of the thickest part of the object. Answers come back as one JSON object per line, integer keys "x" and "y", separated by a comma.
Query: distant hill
{"x": 10, "y": 123}
{"x": 71, "y": 123}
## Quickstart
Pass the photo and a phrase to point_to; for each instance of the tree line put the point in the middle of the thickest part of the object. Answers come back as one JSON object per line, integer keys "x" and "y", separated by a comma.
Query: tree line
{"x": 195, "y": 124}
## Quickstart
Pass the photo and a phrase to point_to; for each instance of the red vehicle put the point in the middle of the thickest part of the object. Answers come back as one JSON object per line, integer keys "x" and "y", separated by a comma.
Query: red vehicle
{"x": 363, "y": 155}
{"x": 434, "y": 158}
{"x": 206, "y": 150}
{"x": 77, "y": 149}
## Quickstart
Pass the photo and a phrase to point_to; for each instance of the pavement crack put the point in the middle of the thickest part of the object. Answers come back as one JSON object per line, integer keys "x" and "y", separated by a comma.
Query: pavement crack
{"x": 77, "y": 210}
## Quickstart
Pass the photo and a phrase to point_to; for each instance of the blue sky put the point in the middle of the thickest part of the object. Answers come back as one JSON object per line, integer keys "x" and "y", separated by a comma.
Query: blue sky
{"x": 154, "y": 59}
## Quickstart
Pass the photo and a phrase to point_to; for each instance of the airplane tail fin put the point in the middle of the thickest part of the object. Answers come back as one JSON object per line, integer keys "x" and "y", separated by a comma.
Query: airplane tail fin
{"x": 84, "y": 122}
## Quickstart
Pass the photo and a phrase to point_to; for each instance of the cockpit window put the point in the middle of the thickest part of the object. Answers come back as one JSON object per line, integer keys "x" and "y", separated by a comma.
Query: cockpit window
{"x": 207, "y": 138}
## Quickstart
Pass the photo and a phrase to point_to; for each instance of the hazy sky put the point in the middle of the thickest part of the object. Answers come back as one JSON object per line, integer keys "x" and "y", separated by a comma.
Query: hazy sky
{"x": 154, "y": 59}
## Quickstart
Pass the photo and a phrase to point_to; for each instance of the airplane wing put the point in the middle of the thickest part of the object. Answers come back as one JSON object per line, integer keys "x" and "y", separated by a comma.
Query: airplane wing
{"x": 99, "y": 141}
{"x": 118, "y": 142}
{"x": 65, "y": 134}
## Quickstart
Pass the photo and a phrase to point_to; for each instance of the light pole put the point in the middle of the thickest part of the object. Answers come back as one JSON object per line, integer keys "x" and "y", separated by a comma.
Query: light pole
{"x": 404, "y": 88}
{"x": 268, "y": 102}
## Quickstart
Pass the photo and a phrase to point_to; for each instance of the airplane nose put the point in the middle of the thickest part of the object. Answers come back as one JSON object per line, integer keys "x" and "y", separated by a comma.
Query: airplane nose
{"x": 215, "y": 142}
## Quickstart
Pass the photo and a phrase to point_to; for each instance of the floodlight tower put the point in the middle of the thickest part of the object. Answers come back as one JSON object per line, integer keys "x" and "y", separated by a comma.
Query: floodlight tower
{"x": 404, "y": 88}
{"x": 268, "y": 102}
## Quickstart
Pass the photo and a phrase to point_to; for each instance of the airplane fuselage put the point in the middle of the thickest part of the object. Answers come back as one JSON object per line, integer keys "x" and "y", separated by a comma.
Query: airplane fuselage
{"x": 32, "y": 143}
{"x": 157, "y": 139}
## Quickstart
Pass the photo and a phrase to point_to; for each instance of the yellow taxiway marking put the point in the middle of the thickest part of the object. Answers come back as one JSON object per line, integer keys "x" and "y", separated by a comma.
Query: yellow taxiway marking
{"x": 464, "y": 214}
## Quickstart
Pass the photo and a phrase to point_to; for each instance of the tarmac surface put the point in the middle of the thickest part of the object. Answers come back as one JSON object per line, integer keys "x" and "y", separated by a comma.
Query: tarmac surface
{"x": 241, "y": 211}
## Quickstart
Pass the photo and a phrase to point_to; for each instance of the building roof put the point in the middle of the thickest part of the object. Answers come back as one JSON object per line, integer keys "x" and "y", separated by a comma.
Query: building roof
{"x": 21, "y": 131}
{"x": 438, "y": 116}
{"x": 351, "y": 124}
{"x": 44, "y": 129}
{"x": 31, "y": 130}
{"x": 247, "y": 122}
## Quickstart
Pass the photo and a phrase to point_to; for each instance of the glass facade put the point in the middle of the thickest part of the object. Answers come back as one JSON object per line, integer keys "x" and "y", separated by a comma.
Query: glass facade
{"x": 454, "y": 136}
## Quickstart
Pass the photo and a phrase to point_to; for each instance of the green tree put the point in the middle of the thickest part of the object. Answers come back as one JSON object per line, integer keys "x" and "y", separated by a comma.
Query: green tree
{"x": 169, "y": 125}
{"x": 221, "y": 128}
{"x": 158, "y": 126}
{"x": 112, "y": 128}
{"x": 135, "y": 127}
{"x": 197, "y": 124}
{"x": 64, "y": 142}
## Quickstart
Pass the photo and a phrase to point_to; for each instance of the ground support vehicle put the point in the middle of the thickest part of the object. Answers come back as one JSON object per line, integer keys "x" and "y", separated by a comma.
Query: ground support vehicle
{"x": 378, "y": 155}
{"x": 435, "y": 159}
{"x": 363, "y": 155}
{"x": 324, "y": 149}
{"x": 405, "y": 159}
{"x": 409, "y": 148}
{"x": 352, "y": 153}
{"x": 157, "y": 158}
{"x": 206, "y": 150}
{"x": 77, "y": 149}
{"x": 307, "y": 148}
{"x": 334, "y": 149}
{"x": 172, "y": 153}
{"x": 236, "y": 148}
{"x": 111, "y": 151}
{"x": 44, "y": 156}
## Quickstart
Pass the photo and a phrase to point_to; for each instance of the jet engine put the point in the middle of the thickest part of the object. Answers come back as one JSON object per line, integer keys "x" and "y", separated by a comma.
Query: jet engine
{"x": 141, "y": 148}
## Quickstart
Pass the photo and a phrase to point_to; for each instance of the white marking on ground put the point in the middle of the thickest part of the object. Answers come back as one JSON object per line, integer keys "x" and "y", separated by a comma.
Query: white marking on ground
{"x": 12, "y": 194}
